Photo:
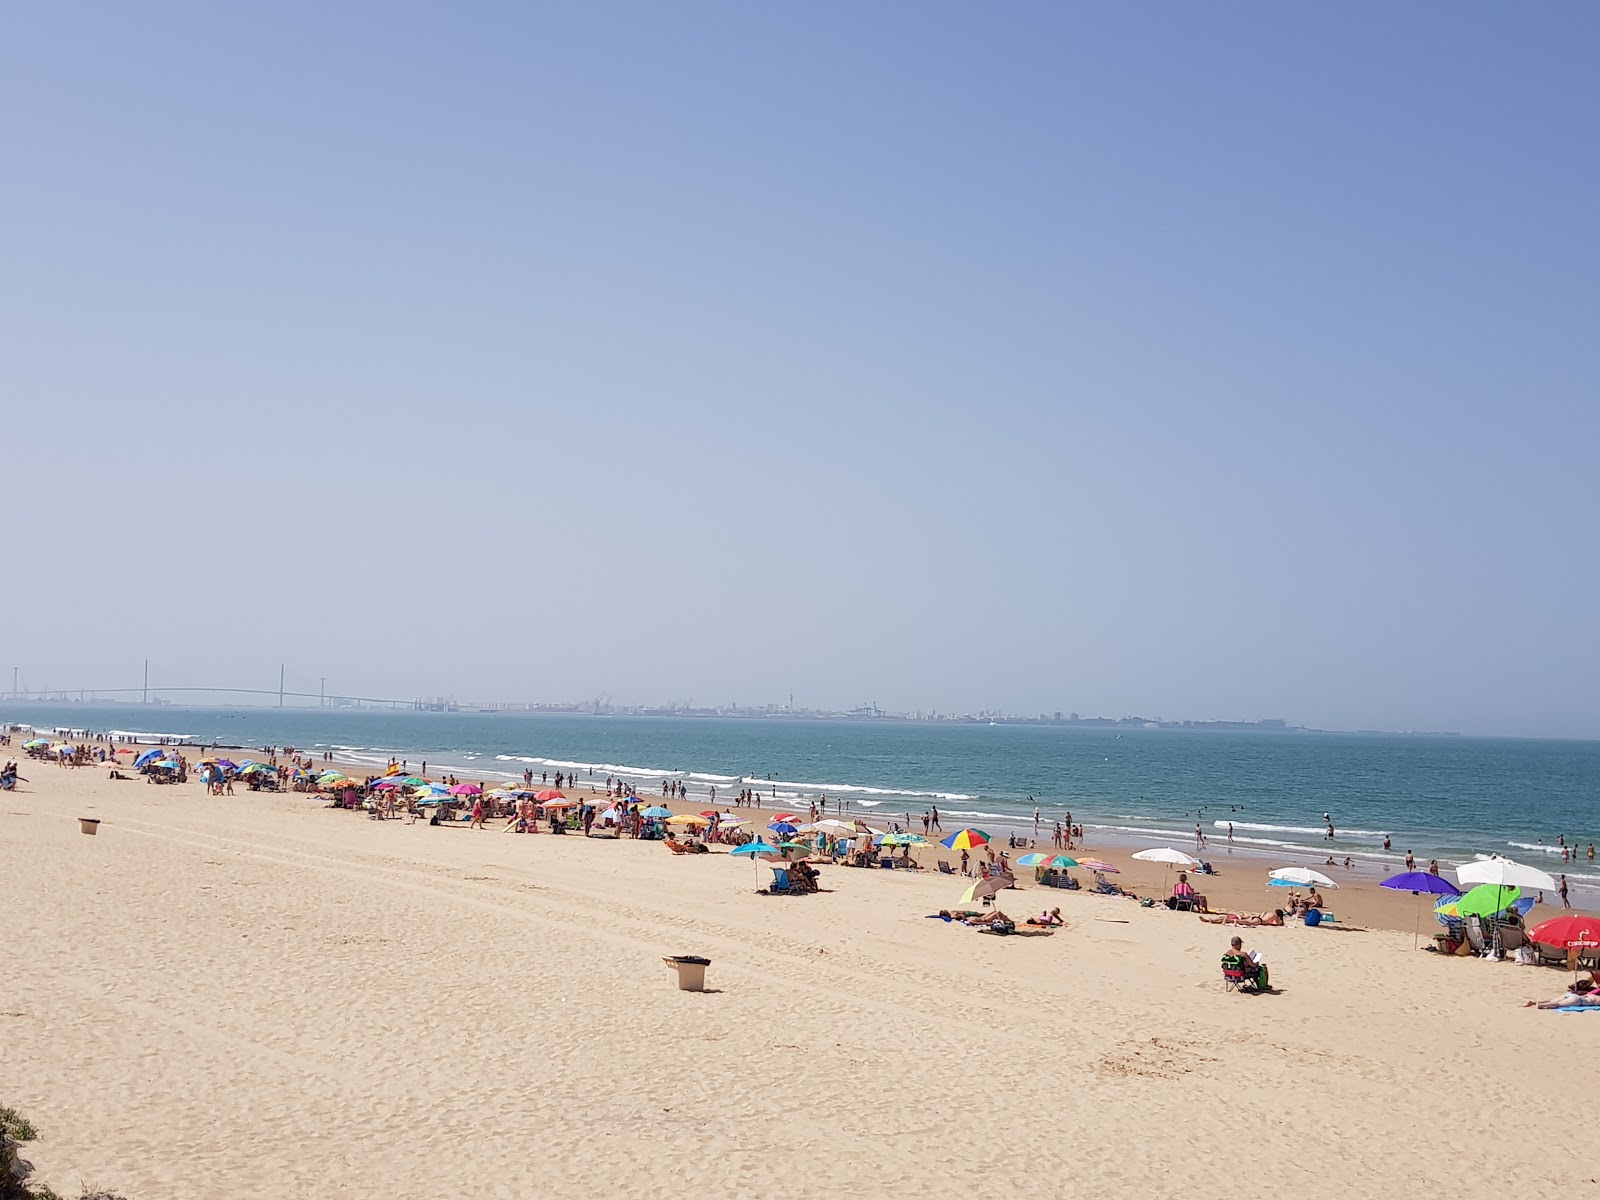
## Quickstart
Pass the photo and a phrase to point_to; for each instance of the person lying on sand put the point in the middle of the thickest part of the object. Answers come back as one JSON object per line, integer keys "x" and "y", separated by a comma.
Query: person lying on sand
{"x": 1053, "y": 917}
{"x": 995, "y": 918}
{"x": 1275, "y": 917}
{"x": 1581, "y": 994}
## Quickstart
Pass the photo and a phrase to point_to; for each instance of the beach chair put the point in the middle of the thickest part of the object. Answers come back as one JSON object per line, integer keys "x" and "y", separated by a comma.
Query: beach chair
{"x": 945, "y": 868}
{"x": 1237, "y": 974}
{"x": 780, "y": 882}
{"x": 886, "y": 863}
{"x": 1475, "y": 935}
{"x": 1511, "y": 938}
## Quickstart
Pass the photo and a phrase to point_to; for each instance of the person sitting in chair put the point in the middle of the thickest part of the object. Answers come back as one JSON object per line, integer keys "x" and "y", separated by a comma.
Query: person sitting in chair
{"x": 1252, "y": 966}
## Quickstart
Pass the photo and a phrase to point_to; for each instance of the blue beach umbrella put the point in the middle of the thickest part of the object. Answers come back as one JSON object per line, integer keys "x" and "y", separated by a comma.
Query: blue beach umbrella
{"x": 782, "y": 828}
{"x": 657, "y": 813}
{"x": 148, "y": 756}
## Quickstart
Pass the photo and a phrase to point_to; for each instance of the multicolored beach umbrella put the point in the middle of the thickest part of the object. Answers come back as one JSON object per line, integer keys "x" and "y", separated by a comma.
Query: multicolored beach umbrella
{"x": 966, "y": 839}
{"x": 1048, "y": 862}
{"x": 1095, "y": 864}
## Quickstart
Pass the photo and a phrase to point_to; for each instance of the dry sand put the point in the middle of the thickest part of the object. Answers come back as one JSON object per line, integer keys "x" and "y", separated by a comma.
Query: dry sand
{"x": 256, "y": 996}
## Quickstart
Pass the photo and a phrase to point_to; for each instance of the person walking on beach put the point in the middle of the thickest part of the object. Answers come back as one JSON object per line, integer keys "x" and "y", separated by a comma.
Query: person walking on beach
{"x": 477, "y": 814}
{"x": 1562, "y": 891}
{"x": 1411, "y": 863}
{"x": 1433, "y": 866}
{"x": 1035, "y": 820}
{"x": 939, "y": 828}
{"x": 1230, "y": 837}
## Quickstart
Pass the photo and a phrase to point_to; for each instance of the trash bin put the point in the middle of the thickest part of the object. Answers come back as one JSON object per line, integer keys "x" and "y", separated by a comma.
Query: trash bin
{"x": 691, "y": 971}
{"x": 89, "y": 824}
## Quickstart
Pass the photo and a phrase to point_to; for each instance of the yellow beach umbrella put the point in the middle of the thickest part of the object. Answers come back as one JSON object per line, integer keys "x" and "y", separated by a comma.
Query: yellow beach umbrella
{"x": 687, "y": 819}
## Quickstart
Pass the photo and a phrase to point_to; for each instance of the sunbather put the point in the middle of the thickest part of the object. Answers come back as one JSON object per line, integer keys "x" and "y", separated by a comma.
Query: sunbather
{"x": 1581, "y": 994}
{"x": 1251, "y": 920}
{"x": 994, "y": 918}
{"x": 1053, "y": 917}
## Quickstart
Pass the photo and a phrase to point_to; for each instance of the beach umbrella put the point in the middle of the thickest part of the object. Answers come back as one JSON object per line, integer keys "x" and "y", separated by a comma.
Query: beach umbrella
{"x": 786, "y": 816}
{"x": 733, "y": 822}
{"x": 1487, "y": 900}
{"x": 1095, "y": 864}
{"x": 753, "y": 851}
{"x": 466, "y": 789}
{"x": 1419, "y": 883}
{"x": 687, "y": 819}
{"x": 656, "y": 812}
{"x": 1571, "y": 932}
{"x": 1505, "y": 873}
{"x": 37, "y": 742}
{"x": 1048, "y": 862}
{"x": 830, "y": 825}
{"x": 166, "y": 764}
{"x": 781, "y": 828}
{"x": 1299, "y": 877}
{"x": 118, "y": 750}
{"x": 966, "y": 839}
{"x": 386, "y": 785}
{"x": 149, "y": 756}
{"x": 983, "y": 889}
{"x": 1166, "y": 854}
{"x": 904, "y": 839}
{"x": 547, "y": 795}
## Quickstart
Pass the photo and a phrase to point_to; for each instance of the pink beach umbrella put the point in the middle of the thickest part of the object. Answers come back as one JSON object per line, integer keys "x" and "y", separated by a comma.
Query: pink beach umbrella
{"x": 466, "y": 789}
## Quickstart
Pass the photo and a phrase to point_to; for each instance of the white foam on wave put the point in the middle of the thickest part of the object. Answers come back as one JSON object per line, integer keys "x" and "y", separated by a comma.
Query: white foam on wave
{"x": 1319, "y": 830}
{"x": 853, "y": 789}
{"x": 1543, "y": 848}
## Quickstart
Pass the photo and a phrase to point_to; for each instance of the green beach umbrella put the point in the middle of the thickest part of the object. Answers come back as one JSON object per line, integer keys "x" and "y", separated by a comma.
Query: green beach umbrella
{"x": 1488, "y": 900}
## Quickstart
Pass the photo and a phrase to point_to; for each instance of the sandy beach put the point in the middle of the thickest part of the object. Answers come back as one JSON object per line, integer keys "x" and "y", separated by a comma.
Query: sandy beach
{"x": 257, "y": 996}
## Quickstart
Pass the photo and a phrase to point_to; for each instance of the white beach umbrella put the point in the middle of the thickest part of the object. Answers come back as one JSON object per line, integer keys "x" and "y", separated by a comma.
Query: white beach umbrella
{"x": 1166, "y": 854}
{"x": 829, "y": 824}
{"x": 1505, "y": 873}
{"x": 1304, "y": 876}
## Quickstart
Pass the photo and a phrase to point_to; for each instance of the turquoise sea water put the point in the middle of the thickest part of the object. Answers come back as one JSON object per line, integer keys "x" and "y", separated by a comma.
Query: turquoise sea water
{"x": 1445, "y": 797}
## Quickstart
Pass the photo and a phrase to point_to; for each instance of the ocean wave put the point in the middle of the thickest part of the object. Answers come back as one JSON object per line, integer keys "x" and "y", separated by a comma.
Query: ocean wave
{"x": 1319, "y": 830}
{"x": 1545, "y": 848}
{"x": 852, "y": 789}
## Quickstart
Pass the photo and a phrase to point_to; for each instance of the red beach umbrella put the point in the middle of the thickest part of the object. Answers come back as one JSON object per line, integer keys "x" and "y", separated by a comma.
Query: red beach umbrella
{"x": 548, "y": 795}
{"x": 1574, "y": 932}
{"x": 786, "y": 817}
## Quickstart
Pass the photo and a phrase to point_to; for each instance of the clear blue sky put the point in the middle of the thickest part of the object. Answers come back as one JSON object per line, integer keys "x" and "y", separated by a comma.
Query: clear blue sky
{"x": 1168, "y": 359}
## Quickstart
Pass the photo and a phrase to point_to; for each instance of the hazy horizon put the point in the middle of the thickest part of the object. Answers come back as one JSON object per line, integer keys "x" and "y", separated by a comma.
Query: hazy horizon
{"x": 1205, "y": 365}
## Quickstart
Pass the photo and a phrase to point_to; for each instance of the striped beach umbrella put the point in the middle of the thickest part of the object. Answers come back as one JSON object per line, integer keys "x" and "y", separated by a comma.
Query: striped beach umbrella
{"x": 966, "y": 839}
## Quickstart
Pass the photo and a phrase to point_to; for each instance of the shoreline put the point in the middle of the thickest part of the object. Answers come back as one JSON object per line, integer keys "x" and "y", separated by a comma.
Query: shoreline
{"x": 1116, "y": 841}
{"x": 1238, "y": 886}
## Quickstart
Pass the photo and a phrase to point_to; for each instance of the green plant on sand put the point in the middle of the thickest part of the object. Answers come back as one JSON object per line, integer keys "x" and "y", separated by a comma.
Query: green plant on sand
{"x": 14, "y": 1169}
